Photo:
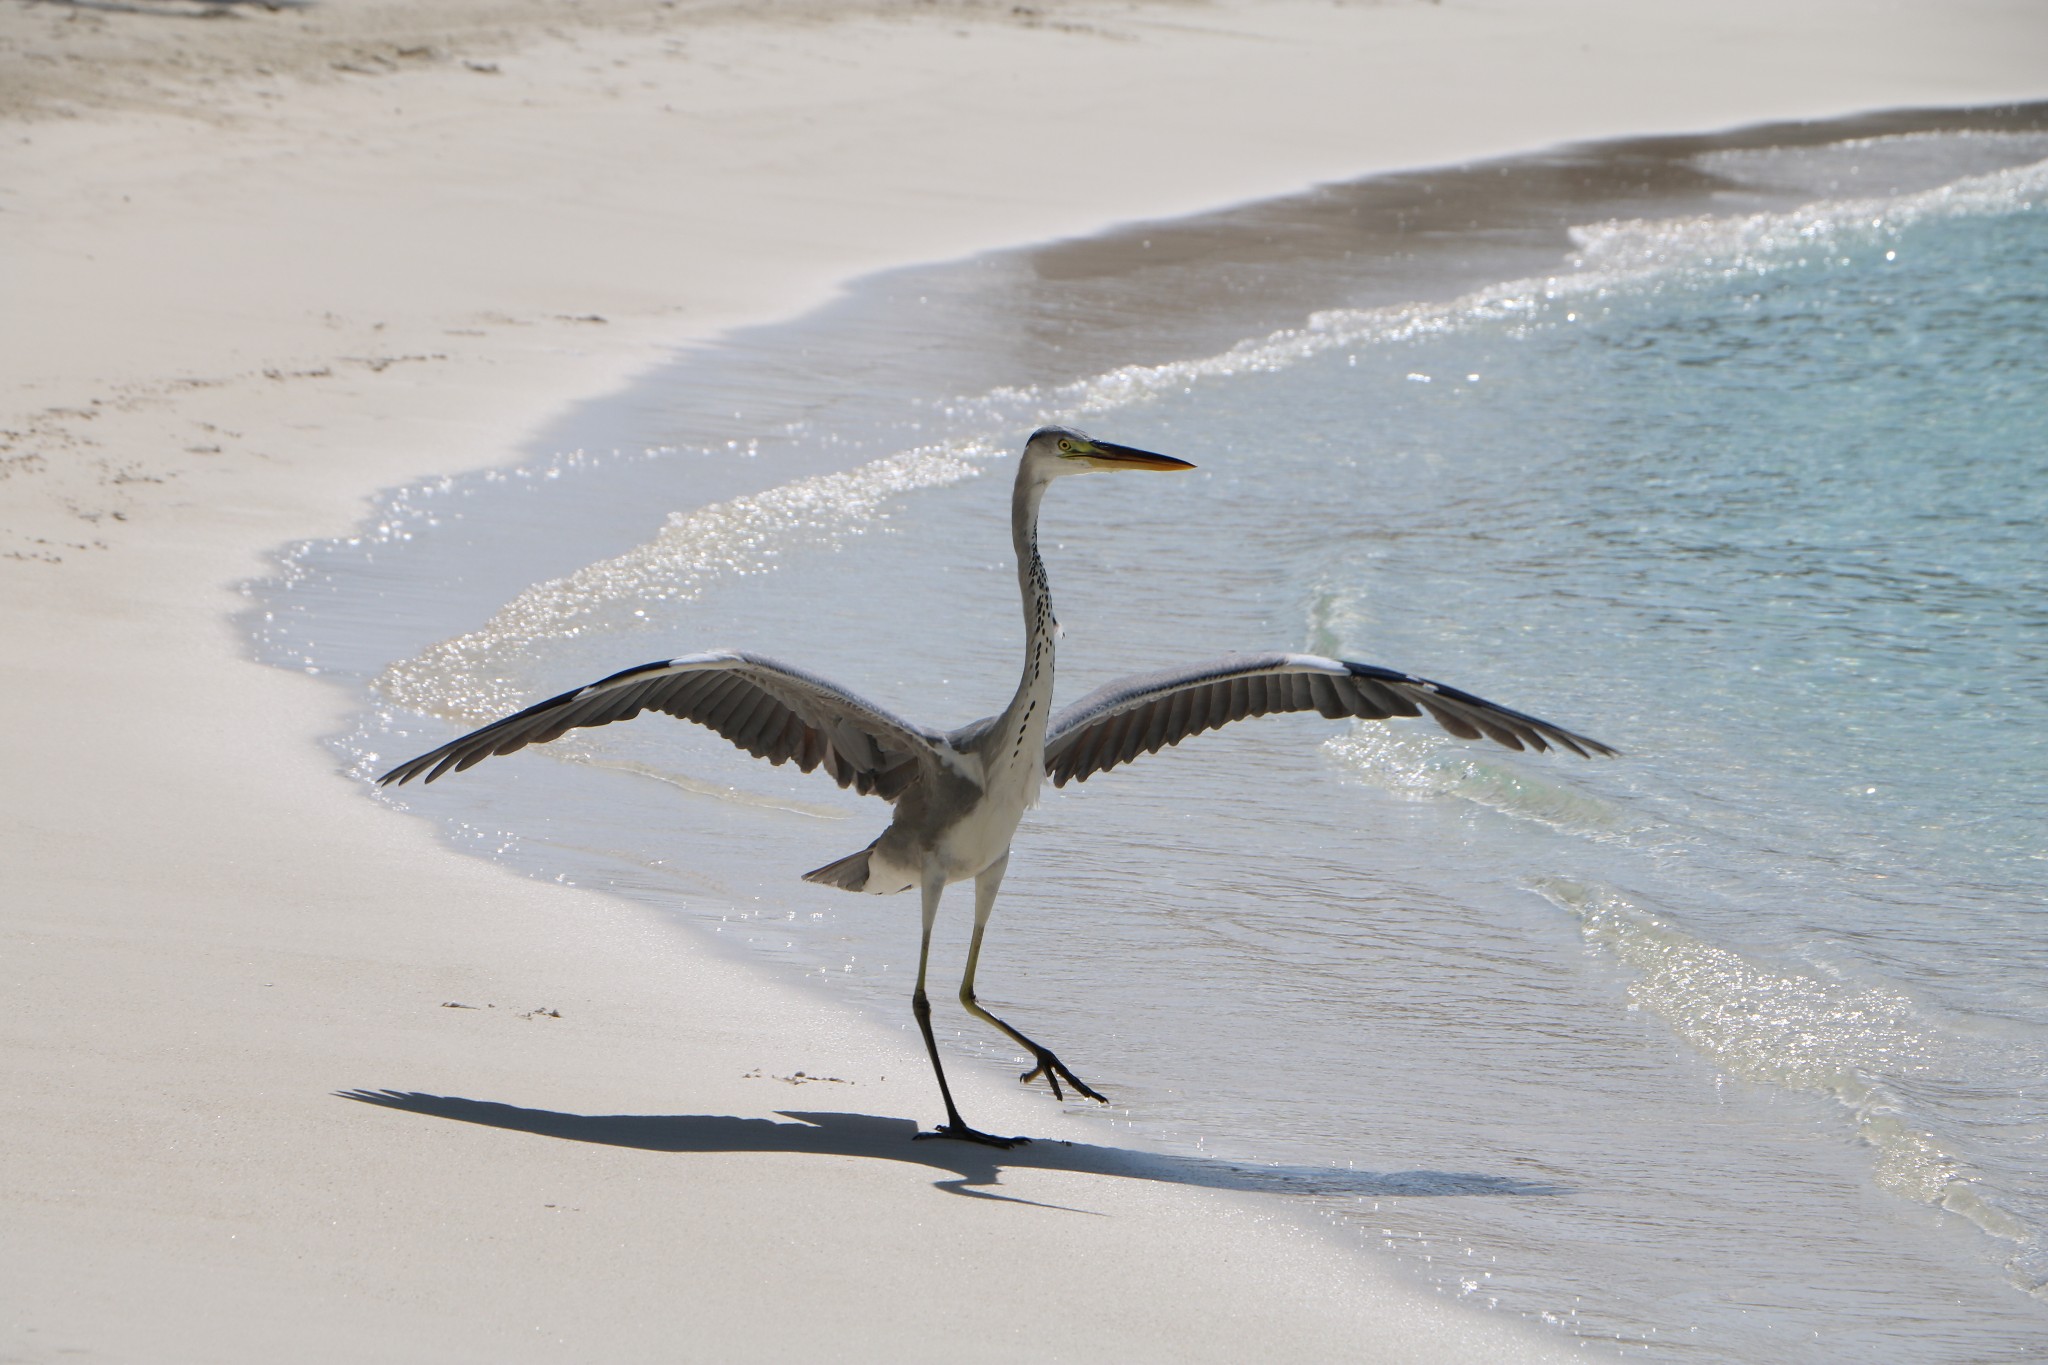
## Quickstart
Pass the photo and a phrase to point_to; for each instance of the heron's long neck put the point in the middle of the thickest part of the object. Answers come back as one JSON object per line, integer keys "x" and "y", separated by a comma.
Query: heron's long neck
{"x": 1025, "y": 719}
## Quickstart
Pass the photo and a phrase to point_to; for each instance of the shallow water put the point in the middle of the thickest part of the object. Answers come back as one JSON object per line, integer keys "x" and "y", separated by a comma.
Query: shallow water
{"x": 1733, "y": 1047}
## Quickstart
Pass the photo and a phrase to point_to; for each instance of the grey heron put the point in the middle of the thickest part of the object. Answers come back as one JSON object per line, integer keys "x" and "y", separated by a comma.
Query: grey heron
{"x": 959, "y": 795}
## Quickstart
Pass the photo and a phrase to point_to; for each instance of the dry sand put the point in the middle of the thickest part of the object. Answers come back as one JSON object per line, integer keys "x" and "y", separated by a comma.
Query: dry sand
{"x": 258, "y": 263}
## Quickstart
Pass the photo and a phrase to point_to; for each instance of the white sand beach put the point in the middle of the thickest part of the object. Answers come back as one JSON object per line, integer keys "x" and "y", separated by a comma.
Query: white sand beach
{"x": 256, "y": 264}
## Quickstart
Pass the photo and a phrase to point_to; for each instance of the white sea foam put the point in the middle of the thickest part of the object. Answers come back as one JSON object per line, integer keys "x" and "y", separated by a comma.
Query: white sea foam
{"x": 1426, "y": 766}
{"x": 1870, "y": 166}
{"x": 1798, "y": 1030}
{"x": 474, "y": 677}
{"x": 1628, "y": 249}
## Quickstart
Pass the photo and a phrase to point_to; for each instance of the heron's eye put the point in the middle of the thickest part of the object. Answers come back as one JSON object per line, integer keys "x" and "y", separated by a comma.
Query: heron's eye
{"x": 1066, "y": 447}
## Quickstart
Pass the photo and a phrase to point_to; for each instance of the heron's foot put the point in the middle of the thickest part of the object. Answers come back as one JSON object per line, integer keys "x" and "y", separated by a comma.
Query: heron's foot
{"x": 1054, "y": 1070}
{"x": 962, "y": 1133}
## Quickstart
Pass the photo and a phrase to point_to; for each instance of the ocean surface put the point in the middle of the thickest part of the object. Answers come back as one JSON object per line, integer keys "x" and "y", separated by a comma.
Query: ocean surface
{"x": 1735, "y": 1047}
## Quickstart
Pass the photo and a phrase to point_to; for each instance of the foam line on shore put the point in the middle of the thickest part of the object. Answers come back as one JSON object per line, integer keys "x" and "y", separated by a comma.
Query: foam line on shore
{"x": 472, "y": 677}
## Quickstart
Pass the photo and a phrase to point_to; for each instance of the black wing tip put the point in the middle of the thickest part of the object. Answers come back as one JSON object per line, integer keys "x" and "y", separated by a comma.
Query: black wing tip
{"x": 1545, "y": 737}
{"x": 1583, "y": 745}
{"x": 404, "y": 772}
{"x": 1543, "y": 730}
{"x": 1585, "y": 748}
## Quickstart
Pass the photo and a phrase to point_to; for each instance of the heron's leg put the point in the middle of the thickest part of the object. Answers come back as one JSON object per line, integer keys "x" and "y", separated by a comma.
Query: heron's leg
{"x": 921, "y": 1006}
{"x": 1049, "y": 1066}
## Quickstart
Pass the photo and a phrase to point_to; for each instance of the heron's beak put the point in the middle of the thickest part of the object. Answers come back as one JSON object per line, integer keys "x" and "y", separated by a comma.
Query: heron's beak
{"x": 1103, "y": 455}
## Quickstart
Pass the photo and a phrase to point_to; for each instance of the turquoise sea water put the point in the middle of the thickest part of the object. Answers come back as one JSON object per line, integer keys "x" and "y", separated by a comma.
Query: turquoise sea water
{"x": 1736, "y": 1046}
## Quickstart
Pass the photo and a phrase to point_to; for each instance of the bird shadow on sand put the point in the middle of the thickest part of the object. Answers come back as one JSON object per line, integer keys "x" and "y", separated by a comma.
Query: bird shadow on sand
{"x": 966, "y": 1168}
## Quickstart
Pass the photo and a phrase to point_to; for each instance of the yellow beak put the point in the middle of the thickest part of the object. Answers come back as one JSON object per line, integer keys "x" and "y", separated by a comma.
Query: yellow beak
{"x": 1103, "y": 455}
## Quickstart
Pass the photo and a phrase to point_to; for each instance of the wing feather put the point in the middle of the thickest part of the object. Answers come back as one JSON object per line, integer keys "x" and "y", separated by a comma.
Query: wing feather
{"x": 1146, "y": 712}
{"x": 769, "y": 709}
{"x": 1155, "y": 729}
{"x": 726, "y": 703}
{"x": 1378, "y": 701}
{"x": 1131, "y": 737}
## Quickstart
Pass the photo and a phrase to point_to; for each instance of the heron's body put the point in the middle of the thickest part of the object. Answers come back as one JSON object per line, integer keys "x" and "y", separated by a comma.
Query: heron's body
{"x": 956, "y": 826}
{"x": 961, "y": 820}
{"x": 959, "y": 796}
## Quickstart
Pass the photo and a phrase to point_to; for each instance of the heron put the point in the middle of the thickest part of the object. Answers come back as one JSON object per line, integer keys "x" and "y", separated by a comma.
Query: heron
{"x": 958, "y": 795}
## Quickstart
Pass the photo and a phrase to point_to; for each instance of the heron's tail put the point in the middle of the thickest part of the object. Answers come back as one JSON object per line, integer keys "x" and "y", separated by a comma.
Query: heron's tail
{"x": 848, "y": 874}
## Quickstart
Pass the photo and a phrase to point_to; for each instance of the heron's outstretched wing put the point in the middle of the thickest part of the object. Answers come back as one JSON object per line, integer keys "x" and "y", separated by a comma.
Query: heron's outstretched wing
{"x": 770, "y": 709}
{"x": 1145, "y": 712}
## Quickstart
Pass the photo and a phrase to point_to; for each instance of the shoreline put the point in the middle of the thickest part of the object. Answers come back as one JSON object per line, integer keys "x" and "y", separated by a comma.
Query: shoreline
{"x": 216, "y": 936}
{"x": 866, "y": 323}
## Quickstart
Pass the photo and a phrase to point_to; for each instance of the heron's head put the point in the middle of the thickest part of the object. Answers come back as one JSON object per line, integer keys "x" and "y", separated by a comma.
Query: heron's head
{"x": 1055, "y": 451}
